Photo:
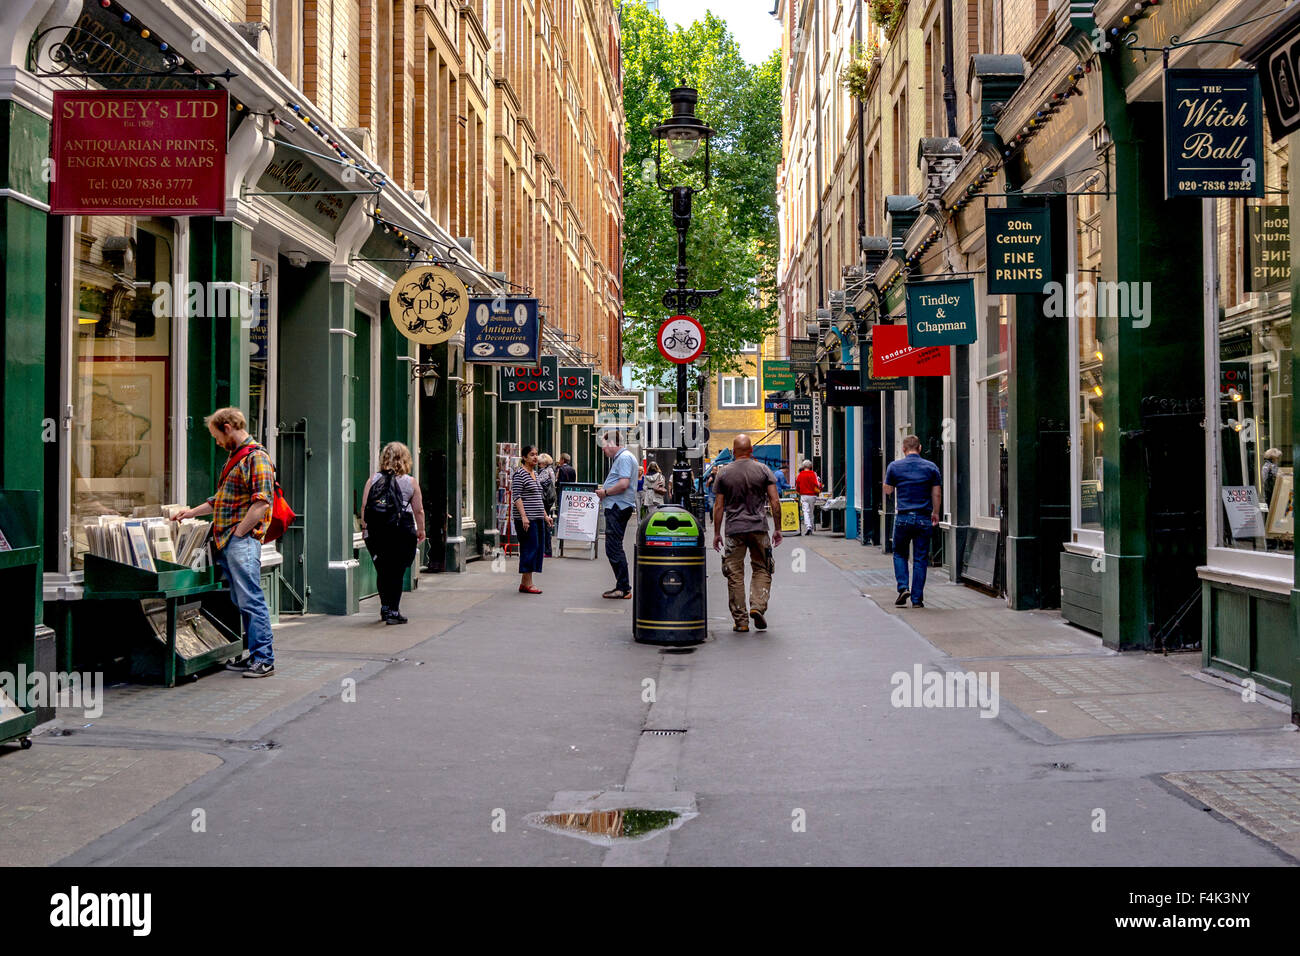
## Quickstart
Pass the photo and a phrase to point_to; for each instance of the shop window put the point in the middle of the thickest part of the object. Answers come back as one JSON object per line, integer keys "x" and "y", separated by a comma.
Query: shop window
{"x": 993, "y": 396}
{"x": 259, "y": 339}
{"x": 122, "y": 371}
{"x": 737, "y": 391}
{"x": 1088, "y": 380}
{"x": 1253, "y": 401}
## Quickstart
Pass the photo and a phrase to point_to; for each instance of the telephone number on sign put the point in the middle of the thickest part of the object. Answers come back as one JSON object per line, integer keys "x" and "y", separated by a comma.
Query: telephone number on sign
{"x": 1220, "y": 186}
{"x": 142, "y": 182}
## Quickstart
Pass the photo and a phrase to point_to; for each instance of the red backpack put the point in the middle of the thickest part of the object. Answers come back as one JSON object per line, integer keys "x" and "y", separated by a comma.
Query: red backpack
{"x": 281, "y": 514}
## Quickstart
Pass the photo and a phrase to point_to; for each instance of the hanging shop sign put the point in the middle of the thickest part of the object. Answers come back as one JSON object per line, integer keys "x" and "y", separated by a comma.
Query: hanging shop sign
{"x": 1018, "y": 250}
{"x": 784, "y": 421}
{"x": 428, "y": 304}
{"x": 801, "y": 412}
{"x": 681, "y": 339}
{"x": 616, "y": 412}
{"x": 502, "y": 331}
{"x": 844, "y": 387}
{"x": 891, "y": 356}
{"x": 941, "y": 312}
{"x": 1234, "y": 381}
{"x": 1214, "y": 144}
{"x": 776, "y": 404}
{"x": 307, "y": 190}
{"x": 160, "y": 153}
{"x": 579, "y": 416}
{"x": 1268, "y": 247}
{"x": 817, "y": 446}
{"x": 870, "y": 382}
{"x": 803, "y": 354}
{"x": 531, "y": 383}
{"x": 778, "y": 376}
{"x": 817, "y": 414}
{"x": 574, "y": 389}
{"x": 1279, "y": 73}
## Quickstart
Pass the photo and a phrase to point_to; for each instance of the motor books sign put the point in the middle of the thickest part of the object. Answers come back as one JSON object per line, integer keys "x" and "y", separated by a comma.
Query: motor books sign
{"x": 941, "y": 312}
{"x": 573, "y": 389}
{"x": 502, "y": 330}
{"x": 891, "y": 356}
{"x": 579, "y": 515}
{"x": 1018, "y": 250}
{"x": 528, "y": 383}
{"x": 160, "y": 153}
{"x": 1214, "y": 145}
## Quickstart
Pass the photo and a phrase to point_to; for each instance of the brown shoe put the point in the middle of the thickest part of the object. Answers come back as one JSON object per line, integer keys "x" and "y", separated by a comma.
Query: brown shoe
{"x": 613, "y": 593}
{"x": 741, "y": 628}
{"x": 760, "y": 622}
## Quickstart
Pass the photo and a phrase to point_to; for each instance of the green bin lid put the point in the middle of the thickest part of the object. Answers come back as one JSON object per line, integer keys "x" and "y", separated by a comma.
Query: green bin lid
{"x": 677, "y": 522}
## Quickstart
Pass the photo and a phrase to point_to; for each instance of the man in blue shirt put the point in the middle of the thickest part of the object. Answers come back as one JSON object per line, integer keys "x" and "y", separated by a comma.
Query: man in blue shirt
{"x": 618, "y": 495}
{"x": 919, "y": 491}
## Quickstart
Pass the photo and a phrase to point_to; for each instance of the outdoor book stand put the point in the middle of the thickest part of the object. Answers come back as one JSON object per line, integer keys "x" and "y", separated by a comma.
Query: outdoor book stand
{"x": 107, "y": 580}
{"x": 18, "y": 595}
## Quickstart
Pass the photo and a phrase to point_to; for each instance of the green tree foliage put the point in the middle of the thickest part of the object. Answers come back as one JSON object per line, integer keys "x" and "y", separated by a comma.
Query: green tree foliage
{"x": 733, "y": 241}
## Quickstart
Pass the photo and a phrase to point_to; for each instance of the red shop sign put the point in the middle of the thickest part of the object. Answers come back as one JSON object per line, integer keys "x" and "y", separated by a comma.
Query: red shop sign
{"x": 139, "y": 152}
{"x": 891, "y": 356}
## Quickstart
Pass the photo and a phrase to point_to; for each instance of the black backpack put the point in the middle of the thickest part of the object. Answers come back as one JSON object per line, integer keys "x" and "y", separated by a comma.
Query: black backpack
{"x": 384, "y": 506}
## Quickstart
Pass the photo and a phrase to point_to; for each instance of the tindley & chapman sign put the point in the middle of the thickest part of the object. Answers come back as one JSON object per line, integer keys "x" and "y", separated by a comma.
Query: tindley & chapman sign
{"x": 940, "y": 312}
{"x": 160, "y": 153}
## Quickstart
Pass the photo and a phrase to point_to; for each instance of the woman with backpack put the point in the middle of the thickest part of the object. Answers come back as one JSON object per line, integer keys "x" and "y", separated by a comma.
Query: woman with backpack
{"x": 392, "y": 523}
{"x": 530, "y": 518}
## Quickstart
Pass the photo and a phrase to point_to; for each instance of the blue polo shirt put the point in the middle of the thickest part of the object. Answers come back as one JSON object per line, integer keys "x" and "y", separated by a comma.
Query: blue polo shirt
{"x": 912, "y": 477}
{"x": 624, "y": 465}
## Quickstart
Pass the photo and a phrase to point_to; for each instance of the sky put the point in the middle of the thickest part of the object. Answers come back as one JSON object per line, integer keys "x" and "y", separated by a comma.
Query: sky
{"x": 750, "y": 21}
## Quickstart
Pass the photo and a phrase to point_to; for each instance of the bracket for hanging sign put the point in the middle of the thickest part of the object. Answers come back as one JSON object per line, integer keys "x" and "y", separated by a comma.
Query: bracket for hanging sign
{"x": 313, "y": 192}
{"x": 69, "y": 58}
{"x": 1176, "y": 43}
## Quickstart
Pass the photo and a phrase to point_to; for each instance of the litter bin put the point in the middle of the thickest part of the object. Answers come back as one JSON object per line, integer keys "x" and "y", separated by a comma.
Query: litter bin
{"x": 668, "y": 597}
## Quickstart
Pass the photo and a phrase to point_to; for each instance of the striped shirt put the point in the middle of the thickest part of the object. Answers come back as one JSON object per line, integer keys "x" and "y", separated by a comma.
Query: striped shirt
{"x": 524, "y": 487}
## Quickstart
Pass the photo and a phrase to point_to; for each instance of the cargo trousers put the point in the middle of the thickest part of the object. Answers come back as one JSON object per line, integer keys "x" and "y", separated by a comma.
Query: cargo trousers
{"x": 758, "y": 545}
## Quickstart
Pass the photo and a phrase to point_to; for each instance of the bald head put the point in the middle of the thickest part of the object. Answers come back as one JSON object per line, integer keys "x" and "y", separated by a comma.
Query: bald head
{"x": 741, "y": 446}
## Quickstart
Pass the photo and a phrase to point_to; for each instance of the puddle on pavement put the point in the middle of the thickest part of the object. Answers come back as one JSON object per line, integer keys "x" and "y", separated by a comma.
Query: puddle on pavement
{"x": 607, "y": 827}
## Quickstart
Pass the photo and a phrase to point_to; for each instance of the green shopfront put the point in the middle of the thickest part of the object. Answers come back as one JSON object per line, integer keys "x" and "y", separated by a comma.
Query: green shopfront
{"x": 121, "y": 331}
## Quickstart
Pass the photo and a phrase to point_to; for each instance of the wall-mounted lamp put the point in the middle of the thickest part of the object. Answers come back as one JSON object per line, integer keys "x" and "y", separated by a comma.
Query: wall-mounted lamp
{"x": 427, "y": 373}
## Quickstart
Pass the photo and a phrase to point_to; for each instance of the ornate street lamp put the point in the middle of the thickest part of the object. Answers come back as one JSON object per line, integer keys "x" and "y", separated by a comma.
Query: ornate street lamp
{"x": 683, "y": 132}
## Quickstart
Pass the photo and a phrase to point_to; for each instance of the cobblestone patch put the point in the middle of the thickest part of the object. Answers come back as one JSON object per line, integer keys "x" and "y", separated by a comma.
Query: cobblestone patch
{"x": 1265, "y": 802}
{"x": 55, "y": 799}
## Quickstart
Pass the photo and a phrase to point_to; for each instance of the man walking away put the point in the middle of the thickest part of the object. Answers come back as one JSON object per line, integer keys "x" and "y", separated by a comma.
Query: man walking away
{"x": 809, "y": 486}
{"x": 745, "y": 493}
{"x": 619, "y": 497}
{"x": 919, "y": 489}
{"x": 241, "y": 511}
{"x": 565, "y": 474}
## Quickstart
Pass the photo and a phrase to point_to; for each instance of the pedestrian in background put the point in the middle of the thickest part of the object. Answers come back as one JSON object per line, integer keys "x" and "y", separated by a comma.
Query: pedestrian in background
{"x": 619, "y": 501}
{"x": 919, "y": 490}
{"x": 241, "y": 513}
{"x": 809, "y": 487}
{"x": 656, "y": 487}
{"x": 530, "y": 518}
{"x": 745, "y": 494}
{"x": 782, "y": 482}
{"x": 546, "y": 478}
{"x": 392, "y": 525}
{"x": 565, "y": 474}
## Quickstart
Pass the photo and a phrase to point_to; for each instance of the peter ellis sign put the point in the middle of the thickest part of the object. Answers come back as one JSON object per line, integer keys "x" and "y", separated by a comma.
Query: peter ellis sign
{"x": 160, "y": 153}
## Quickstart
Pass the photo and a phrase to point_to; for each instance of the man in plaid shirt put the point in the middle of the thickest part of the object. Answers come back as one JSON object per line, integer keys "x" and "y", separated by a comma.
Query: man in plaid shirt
{"x": 241, "y": 511}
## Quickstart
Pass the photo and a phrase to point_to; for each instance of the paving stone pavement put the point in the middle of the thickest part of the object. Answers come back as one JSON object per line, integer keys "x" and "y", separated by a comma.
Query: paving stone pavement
{"x": 1265, "y": 802}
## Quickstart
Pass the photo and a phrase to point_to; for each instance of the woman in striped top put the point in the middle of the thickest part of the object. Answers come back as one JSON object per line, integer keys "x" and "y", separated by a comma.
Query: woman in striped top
{"x": 530, "y": 513}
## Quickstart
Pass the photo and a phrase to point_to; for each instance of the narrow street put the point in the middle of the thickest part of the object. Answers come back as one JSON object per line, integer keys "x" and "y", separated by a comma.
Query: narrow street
{"x": 491, "y": 705}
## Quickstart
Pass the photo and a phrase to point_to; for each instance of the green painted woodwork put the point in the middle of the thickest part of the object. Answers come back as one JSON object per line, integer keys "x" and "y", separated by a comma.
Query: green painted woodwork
{"x": 1245, "y": 634}
{"x": 366, "y": 583}
{"x": 316, "y": 384}
{"x": 1145, "y": 239}
{"x": 24, "y": 151}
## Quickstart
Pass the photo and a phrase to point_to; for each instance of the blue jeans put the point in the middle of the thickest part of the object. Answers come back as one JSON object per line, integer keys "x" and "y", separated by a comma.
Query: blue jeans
{"x": 241, "y": 560}
{"x": 616, "y": 519}
{"x": 916, "y": 530}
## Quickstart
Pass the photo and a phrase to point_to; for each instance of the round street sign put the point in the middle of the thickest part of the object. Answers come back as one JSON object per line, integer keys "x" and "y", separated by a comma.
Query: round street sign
{"x": 681, "y": 339}
{"x": 429, "y": 304}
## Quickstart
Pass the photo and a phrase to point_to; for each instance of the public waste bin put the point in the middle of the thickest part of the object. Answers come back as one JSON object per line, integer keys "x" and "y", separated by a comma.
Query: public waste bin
{"x": 668, "y": 595}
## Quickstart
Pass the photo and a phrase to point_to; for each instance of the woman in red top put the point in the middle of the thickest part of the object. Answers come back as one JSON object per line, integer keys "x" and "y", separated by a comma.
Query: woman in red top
{"x": 808, "y": 485}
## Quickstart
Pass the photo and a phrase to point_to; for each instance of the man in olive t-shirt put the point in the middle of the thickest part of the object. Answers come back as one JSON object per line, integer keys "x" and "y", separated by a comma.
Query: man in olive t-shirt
{"x": 745, "y": 492}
